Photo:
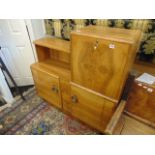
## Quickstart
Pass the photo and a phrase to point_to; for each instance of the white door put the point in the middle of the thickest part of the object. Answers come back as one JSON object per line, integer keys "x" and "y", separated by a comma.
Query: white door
{"x": 16, "y": 50}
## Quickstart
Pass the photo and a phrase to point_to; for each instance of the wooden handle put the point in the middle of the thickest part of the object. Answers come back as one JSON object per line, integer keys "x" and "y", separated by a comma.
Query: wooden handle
{"x": 115, "y": 118}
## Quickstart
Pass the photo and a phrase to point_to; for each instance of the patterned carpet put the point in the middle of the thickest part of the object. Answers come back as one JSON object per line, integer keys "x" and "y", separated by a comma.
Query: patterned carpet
{"x": 35, "y": 117}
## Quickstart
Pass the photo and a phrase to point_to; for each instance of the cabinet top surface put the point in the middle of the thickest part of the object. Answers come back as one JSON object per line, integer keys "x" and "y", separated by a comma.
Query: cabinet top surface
{"x": 115, "y": 34}
{"x": 54, "y": 43}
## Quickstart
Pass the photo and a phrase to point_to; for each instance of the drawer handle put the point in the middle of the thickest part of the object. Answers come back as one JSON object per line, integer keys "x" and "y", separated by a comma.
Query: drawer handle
{"x": 55, "y": 89}
{"x": 96, "y": 45}
{"x": 74, "y": 99}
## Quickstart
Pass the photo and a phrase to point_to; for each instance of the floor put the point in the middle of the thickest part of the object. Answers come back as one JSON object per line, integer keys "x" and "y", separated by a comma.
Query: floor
{"x": 126, "y": 126}
{"x": 129, "y": 126}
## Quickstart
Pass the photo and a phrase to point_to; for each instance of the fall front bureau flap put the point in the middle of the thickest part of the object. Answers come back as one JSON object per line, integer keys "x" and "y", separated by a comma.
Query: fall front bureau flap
{"x": 100, "y": 64}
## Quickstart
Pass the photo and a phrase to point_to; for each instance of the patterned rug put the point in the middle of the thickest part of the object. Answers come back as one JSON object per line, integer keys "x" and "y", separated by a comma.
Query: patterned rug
{"x": 35, "y": 117}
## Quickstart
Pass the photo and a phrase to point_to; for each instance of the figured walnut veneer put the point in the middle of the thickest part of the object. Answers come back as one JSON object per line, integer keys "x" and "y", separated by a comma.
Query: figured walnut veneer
{"x": 85, "y": 77}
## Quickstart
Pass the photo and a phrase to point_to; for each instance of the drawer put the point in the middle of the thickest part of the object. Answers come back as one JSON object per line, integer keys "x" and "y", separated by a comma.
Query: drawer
{"x": 89, "y": 107}
{"x": 47, "y": 86}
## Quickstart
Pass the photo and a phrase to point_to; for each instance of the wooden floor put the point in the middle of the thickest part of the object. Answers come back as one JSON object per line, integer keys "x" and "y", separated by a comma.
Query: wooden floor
{"x": 130, "y": 126}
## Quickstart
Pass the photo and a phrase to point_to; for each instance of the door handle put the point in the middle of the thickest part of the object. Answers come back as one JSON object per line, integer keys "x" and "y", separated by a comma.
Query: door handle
{"x": 96, "y": 45}
{"x": 55, "y": 89}
{"x": 74, "y": 99}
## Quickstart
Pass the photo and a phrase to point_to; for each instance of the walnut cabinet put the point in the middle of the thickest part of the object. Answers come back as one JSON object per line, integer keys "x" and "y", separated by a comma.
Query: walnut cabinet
{"x": 85, "y": 77}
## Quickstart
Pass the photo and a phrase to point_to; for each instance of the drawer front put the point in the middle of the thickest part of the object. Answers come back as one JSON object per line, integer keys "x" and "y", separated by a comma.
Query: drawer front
{"x": 98, "y": 64}
{"x": 47, "y": 87}
{"x": 90, "y": 108}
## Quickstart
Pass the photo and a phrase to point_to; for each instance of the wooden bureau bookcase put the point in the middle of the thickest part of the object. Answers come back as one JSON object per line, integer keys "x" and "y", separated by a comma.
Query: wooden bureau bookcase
{"x": 85, "y": 77}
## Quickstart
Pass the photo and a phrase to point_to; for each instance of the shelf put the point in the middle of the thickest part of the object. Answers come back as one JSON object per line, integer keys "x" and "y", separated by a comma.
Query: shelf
{"x": 54, "y": 43}
{"x": 58, "y": 68}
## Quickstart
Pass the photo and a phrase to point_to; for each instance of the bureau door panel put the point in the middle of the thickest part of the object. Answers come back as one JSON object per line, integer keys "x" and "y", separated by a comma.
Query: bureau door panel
{"x": 47, "y": 87}
{"x": 89, "y": 107}
{"x": 99, "y": 64}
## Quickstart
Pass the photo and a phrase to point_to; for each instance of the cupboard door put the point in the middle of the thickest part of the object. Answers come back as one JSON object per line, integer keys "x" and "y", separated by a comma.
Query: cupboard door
{"x": 99, "y": 64}
{"x": 89, "y": 107}
{"x": 47, "y": 87}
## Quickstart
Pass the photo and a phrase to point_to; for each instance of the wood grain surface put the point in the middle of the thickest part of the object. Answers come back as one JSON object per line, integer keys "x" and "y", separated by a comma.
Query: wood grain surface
{"x": 45, "y": 84}
{"x": 141, "y": 101}
{"x": 99, "y": 64}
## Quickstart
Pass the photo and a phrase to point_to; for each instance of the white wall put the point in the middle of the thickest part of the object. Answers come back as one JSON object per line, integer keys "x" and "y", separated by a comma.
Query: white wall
{"x": 36, "y": 30}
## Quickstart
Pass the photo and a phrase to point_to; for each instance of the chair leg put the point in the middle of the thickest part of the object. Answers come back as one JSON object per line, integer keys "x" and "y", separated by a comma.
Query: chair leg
{"x": 4, "y": 68}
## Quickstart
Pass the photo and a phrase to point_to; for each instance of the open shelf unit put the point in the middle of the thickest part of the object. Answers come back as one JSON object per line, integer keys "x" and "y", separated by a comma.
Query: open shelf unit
{"x": 53, "y": 56}
{"x": 54, "y": 43}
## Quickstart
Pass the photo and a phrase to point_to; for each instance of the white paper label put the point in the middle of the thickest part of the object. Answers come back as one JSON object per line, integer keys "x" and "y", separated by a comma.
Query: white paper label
{"x": 111, "y": 46}
{"x": 146, "y": 78}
